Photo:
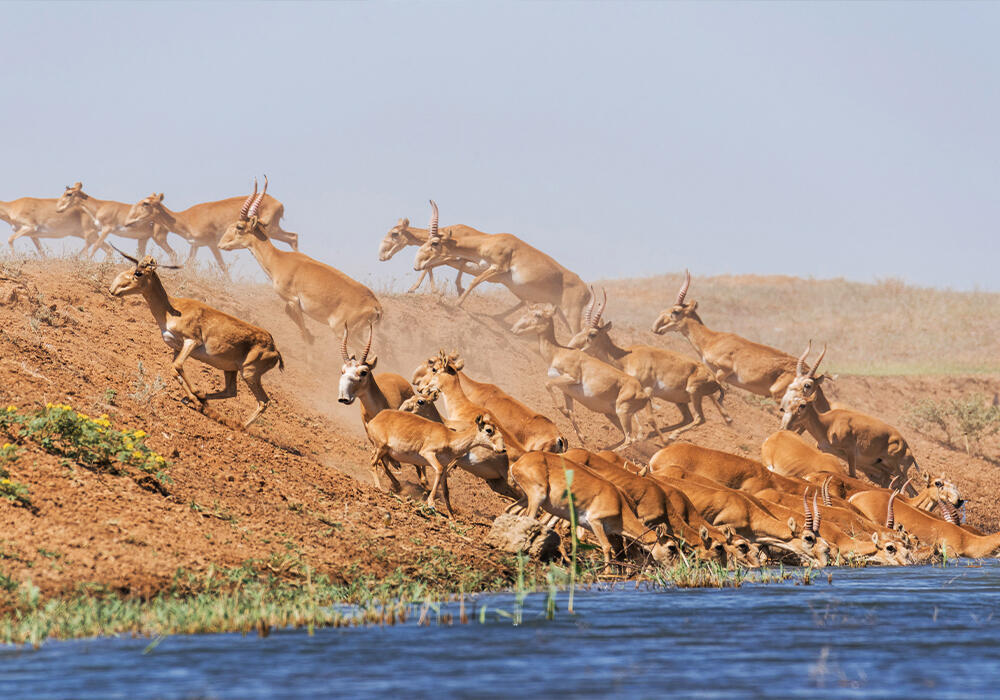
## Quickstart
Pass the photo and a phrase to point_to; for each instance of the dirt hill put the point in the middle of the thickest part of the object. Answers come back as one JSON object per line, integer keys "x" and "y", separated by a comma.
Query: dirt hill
{"x": 297, "y": 484}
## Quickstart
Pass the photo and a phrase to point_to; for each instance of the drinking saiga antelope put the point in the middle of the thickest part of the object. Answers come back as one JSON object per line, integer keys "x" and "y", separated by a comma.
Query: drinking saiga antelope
{"x": 195, "y": 330}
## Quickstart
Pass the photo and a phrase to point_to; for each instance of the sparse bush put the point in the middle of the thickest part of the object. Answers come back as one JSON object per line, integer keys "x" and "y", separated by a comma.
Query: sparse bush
{"x": 972, "y": 418}
{"x": 11, "y": 490}
{"x": 144, "y": 389}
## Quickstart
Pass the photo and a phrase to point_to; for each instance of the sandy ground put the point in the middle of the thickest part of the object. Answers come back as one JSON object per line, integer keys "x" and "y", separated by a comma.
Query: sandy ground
{"x": 297, "y": 484}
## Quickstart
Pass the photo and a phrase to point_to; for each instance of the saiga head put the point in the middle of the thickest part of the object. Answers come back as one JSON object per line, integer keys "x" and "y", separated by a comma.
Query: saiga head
{"x": 673, "y": 318}
{"x": 72, "y": 196}
{"x": 148, "y": 209}
{"x": 355, "y": 373}
{"x": 242, "y": 232}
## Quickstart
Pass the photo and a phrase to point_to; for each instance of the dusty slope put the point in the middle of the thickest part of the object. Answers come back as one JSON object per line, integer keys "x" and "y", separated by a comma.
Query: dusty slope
{"x": 298, "y": 483}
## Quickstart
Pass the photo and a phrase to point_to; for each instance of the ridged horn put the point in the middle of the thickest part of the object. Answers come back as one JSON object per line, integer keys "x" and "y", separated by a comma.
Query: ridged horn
{"x": 343, "y": 344}
{"x": 890, "y": 516}
{"x": 589, "y": 322}
{"x": 604, "y": 305}
{"x": 245, "y": 209}
{"x": 812, "y": 372}
{"x": 368, "y": 346}
{"x": 800, "y": 366}
{"x": 808, "y": 524}
{"x": 260, "y": 198}
{"x": 684, "y": 288}
{"x": 817, "y": 517}
{"x": 433, "y": 231}
{"x": 826, "y": 491}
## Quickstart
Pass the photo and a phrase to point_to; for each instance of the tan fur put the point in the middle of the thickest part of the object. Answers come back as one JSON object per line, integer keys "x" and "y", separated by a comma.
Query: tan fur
{"x": 36, "y": 218}
{"x": 929, "y": 529}
{"x": 734, "y": 360}
{"x": 864, "y": 442}
{"x": 764, "y": 523}
{"x": 307, "y": 286}
{"x": 402, "y": 235}
{"x": 408, "y": 438}
{"x": 784, "y": 452}
{"x": 193, "y": 329}
{"x": 203, "y": 225}
{"x": 576, "y": 376}
{"x": 598, "y": 504}
{"x": 530, "y": 275}
{"x": 109, "y": 218}
{"x": 668, "y": 375}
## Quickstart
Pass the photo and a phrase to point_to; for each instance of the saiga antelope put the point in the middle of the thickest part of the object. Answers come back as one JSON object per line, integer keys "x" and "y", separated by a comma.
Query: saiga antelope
{"x": 576, "y": 376}
{"x": 757, "y": 368}
{"x": 203, "y": 225}
{"x": 599, "y": 506}
{"x": 930, "y": 530}
{"x": 402, "y": 235}
{"x": 669, "y": 375}
{"x": 864, "y": 442}
{"x": 109, "y": 218}
{"x": 422, "y": 404}
{"x": 530, "y": 275}
{"x": 36, "y": 218}
{"x": 408, "y": 438}
{"x": 193, "y": 329}
{"x": 655, "y": 502}
{"x": 533, "y": 430}
{"x": 752, "y": 519}
{"x": 307, "y": 286}
{"x": 784, "y": 452}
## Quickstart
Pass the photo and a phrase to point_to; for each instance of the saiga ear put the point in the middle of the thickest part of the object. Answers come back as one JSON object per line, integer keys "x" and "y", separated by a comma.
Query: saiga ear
{"x": 875, "y": 539}
{"x": 792, "y": 525}
{"x": 606, "y": 326}
{"x": 373, "y": 361}
{"x": 692, "y": 306}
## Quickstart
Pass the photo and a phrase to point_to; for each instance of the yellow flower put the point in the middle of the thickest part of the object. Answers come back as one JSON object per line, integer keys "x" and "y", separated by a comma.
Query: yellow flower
{"x": 6, "y": 446}
{"x": 140, "y": 433}
{"x": 4, "y": 481}
{"x": 137, "y": 455}
{"x": 11, "y": 409}
{"x": 48, "y": 405}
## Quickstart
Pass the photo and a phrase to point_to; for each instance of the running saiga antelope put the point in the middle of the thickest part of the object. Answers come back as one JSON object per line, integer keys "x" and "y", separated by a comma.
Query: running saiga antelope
{"x": 530, "y": 275}
{"x": 669, "y": 375}
{"x": 532, "y": 429}
{"x": 757, "y": 368}
{"x": 36, "y": 218}
{"x": 576, "y": 376}
{"x": 865, "y": 443}
{"x": 408, "y": 438}
{"x": 402, "y": 235}
{"x": 196, "y": 330}
{"x": 109, "y": 218}
{"x": 307, "y": 286}
{"x": 203, "y": 225}
{"x": 358, "y": 381}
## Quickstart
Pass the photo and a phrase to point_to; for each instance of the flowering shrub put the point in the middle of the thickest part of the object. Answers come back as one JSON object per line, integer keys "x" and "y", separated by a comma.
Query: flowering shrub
{"x": 91, "y": 442}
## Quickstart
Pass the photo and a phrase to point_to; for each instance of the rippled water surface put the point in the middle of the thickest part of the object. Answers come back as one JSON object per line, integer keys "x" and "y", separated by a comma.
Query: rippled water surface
{"x": 879, "y": 632}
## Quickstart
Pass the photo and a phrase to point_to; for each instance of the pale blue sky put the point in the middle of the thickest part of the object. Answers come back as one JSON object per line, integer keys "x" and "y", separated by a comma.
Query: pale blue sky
{"x": 855, "y": 139}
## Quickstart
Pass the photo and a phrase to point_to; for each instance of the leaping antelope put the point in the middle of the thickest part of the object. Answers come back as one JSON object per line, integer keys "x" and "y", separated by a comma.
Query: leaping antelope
{"x": 402, "y": 235}
{"x": 734, "y": 360}
{"x": 193, "y": 329}
{"x": 36, "y": 218}
{"x": 307, "y": 286}
{"x": 669, "y": 375}
{"x": 203, "y": 225}
{"x": 109, "y": 218}
{"x": 576, "y": 376}
{"x": 530, "y": 275}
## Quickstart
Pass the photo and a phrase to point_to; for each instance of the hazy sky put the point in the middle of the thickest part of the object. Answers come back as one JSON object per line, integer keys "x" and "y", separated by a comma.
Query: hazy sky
{"x": 856, "y": 139}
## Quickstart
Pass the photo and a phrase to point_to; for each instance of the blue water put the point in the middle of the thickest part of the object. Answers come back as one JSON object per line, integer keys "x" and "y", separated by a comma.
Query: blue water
{"x": 879, "y": 632}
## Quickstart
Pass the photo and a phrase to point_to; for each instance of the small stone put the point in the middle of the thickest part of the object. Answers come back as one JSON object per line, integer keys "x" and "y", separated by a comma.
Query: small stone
{"x": 517, "y": 533}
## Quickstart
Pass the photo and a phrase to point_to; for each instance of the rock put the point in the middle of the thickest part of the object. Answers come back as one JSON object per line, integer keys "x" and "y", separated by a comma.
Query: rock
{"x": 517, "y": 533}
